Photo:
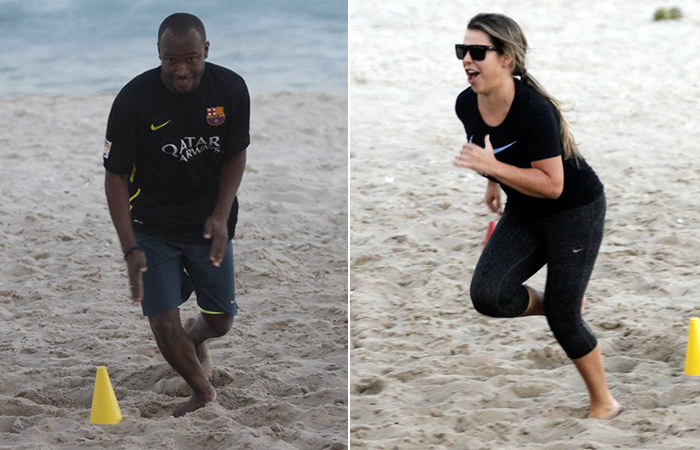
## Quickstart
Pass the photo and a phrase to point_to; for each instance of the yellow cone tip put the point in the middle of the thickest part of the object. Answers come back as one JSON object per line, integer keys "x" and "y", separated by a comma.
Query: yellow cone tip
{"x": 692, "y": 354}
{"x": 105, "y": 408}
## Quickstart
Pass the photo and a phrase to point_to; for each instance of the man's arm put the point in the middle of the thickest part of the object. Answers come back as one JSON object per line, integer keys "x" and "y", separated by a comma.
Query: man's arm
{"x": 216, "y": 226}
{"x": 117, "y": 191}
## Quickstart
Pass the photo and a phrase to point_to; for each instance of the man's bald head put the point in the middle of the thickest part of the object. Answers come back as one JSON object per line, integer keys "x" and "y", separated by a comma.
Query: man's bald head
{"x": 180, "y": 25}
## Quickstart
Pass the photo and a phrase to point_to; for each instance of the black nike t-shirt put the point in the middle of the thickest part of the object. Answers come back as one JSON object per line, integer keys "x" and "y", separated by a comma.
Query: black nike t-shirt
{"x": 173, "y": 147}
{"x": 530, "y": 132}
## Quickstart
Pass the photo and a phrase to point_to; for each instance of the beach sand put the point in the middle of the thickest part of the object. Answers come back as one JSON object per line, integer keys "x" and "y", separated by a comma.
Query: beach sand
{"x": 280, "y": 374}
{"x": 427, "y": 371}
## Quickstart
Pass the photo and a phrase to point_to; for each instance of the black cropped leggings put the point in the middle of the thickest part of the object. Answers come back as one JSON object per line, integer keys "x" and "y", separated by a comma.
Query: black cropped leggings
{"x": 568, "y": 243}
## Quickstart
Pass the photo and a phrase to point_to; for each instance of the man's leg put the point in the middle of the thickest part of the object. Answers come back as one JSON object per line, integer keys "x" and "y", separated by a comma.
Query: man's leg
{"x": 216, "y": 298}
{"x": 179, "y": 351}
{"x": 208, "y": 326}
{"x": 204, "y": 327}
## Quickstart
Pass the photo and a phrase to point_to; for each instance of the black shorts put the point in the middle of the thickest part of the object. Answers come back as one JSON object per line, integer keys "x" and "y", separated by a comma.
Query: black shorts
{"x": 176, "y": 270}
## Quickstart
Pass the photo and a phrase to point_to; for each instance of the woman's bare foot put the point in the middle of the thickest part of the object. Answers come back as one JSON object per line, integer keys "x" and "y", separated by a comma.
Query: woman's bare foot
{"x": 605, "y": 411}
{"x": 202, "y": 351}
{"x": 583, "y": 304}
{"x": 196, "y": 402}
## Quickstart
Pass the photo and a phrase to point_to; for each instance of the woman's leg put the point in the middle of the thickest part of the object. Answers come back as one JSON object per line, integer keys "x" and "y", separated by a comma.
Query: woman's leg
{"x": 572, "y": 243}
{"x": 536, "y": 303}
{"x": 513, "y": 254}
{"x": 592, "y": 369}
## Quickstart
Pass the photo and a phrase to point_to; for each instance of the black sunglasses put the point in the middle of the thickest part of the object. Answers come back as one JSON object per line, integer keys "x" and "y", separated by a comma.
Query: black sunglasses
{"x": 478, "y": 52}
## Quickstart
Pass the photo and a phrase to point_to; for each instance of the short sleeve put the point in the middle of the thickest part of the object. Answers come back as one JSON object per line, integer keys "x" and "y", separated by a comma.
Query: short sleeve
{"x": 543, "y": 139}
{"x": 238, "y": 125}
{"x": 459, "y": 106}
{"x": 462, "y": 108}
{"x": 121, "y": 141}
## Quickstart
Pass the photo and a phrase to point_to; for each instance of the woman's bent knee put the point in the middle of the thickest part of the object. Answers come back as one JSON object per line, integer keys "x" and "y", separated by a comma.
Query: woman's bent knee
{"x": 490, "y": 302}
{"x": 485, "y": 301}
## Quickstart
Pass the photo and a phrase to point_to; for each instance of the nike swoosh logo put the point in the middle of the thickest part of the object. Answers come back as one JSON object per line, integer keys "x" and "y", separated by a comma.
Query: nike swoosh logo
{"x": 577, "y": 250}
{"x": 154, "y": 128}
{"x": 500, "y": 149}
{"x": 495, "y": 150}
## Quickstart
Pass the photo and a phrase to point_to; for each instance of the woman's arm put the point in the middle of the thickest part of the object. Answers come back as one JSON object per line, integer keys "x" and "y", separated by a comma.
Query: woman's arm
{"x": 544, "y": 180}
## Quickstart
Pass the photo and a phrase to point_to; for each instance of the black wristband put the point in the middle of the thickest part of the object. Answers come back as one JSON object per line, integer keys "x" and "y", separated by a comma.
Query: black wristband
{"x": 128, "y": 252}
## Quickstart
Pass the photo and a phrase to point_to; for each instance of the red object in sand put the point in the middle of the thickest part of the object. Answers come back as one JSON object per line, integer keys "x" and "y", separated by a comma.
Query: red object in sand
{"x": 492, "y": 225}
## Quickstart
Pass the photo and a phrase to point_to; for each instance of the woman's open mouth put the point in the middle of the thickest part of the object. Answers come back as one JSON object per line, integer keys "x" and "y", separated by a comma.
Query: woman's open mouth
{"x": 472, "y": 75}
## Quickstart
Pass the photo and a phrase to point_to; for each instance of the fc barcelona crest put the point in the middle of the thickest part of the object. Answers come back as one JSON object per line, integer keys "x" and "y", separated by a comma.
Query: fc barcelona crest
{"x": 215, "y": 115}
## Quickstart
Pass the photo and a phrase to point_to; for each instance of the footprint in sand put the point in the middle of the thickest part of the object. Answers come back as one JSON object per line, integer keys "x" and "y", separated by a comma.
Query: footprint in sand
{"x": 369, "y": 386}
{"x": 531, "y": 390}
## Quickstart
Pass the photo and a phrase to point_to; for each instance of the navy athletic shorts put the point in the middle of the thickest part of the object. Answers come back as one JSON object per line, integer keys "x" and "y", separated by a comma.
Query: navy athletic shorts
{"x": 177, "y": 270}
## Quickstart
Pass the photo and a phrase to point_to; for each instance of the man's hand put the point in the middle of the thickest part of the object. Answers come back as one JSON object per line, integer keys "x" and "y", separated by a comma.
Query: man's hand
{"x": 136, "y": 265}
{"x": 216, "y": 230}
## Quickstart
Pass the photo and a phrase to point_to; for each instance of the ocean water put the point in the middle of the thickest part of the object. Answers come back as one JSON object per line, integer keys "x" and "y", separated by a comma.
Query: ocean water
{"x": 70, "y": 47}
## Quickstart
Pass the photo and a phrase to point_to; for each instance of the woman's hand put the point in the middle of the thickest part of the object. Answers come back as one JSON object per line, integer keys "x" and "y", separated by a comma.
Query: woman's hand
{"x": 480, "y": 159}
{"x": 544, "y": 179}
{"x": 493, "y": 197}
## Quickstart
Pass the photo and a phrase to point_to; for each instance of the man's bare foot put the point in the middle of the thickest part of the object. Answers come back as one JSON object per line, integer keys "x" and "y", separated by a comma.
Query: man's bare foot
{"x": 583, "y": 304}
{"x": 202, "y": 351}
{"x": 606, "y": 411}
{"x": 196, "y": 402}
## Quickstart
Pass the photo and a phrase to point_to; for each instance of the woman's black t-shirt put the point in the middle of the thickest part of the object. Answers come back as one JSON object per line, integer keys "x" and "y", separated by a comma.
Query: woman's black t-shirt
{"x": 530, "y": 132}
{"x": 173, "y": 147}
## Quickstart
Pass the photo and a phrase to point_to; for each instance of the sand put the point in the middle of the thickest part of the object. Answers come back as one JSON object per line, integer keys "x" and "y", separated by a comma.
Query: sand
{"x": 427, "y": 371}
{"x": 280, "y": 374}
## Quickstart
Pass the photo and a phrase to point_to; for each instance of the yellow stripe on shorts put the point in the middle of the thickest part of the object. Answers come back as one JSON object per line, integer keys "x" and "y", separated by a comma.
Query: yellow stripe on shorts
{"x": 210, "y": 312}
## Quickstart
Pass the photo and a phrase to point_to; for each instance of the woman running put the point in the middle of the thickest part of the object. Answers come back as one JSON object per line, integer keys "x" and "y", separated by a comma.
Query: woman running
{"x": 555, "y": 210}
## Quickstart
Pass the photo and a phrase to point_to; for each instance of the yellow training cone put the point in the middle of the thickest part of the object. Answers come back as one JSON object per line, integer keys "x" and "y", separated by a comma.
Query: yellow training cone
{"x": 692, "y": 354}
{"x": 105, "y": 408}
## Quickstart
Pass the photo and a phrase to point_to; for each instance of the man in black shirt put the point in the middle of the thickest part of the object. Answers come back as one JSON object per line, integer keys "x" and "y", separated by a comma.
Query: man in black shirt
{"x": 174, "y": 156}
